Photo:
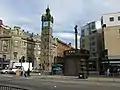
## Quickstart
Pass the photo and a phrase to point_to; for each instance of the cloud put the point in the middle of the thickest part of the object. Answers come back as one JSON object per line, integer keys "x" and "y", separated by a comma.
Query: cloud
{"x": 66, "y": 13}
{"x": 24, "y": 19}
{"x": 65, "y": 35}
{"x": 68, "y": 37}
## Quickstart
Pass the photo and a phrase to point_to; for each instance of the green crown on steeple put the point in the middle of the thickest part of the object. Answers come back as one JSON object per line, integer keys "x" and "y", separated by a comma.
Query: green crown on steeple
{"x": 47, "y": 16}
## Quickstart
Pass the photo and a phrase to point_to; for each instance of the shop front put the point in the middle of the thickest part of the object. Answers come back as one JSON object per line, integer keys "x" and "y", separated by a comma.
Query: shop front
{"x": 4, "y": 63}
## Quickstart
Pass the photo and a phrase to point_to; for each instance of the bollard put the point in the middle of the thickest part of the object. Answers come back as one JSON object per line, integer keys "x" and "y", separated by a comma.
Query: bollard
{"x": 113, "y": 77}
{"x": 98, "y": 76}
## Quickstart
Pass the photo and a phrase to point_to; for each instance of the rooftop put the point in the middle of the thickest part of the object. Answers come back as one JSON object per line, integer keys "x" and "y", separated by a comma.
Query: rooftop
{"x": 111, "y": 13}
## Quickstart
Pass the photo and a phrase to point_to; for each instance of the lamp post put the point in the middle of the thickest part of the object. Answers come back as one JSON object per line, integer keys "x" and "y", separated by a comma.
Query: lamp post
{"x": 76, "y": 36}
{"x": 2, "y": 62}
{"x": 22, "y": 60}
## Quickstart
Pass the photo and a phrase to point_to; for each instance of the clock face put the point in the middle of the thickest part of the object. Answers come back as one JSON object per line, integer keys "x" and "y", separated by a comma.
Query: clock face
{"x": 45, "y": 24}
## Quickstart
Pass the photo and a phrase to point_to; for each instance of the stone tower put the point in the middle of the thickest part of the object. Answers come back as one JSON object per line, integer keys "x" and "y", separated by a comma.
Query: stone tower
{"x": 46, "y": 41}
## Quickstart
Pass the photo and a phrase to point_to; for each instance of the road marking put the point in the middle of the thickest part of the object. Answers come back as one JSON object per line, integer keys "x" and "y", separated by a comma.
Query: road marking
{"x": 7, "y": 76}
{"x": 10, "y": 76}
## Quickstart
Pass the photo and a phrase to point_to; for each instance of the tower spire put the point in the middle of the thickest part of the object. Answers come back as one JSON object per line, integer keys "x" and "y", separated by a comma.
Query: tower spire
{"x": 48, "y": 6}
{"x": 47, "y": 10}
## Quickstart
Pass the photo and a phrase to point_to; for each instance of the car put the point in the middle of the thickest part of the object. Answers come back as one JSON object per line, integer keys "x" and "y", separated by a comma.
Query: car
{"x": 5, "y": 71}
{"x": 14, "y": 70}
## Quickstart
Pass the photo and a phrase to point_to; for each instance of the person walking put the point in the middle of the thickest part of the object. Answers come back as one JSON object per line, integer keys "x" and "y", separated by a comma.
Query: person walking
{"x": 23, "y": 72}
{"x": 108, "y": 72}
{"x": 28, "y": 72}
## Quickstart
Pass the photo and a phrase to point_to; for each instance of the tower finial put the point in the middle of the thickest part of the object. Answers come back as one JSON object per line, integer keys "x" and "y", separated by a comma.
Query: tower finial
{"x": 48, "y": 6}
{"x": 47, "y": 10}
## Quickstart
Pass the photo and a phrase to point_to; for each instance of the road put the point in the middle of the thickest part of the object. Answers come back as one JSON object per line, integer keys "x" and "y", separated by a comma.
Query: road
{"x": 44, "y": 84}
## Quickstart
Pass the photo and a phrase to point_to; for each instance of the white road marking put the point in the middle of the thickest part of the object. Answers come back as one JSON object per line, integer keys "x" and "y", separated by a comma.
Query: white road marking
{"x": 7, "y": 75}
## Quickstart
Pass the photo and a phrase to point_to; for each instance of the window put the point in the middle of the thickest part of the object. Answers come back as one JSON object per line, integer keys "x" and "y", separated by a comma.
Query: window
{"x": 93, "y": 25}
{"x": 24, "y": 43}
{"x": 5, "y": 42}
{"x": 5, "y": 49}
{"x": 4, "y": 56}
{"x": 16, "y": 43}
{"x": 102, "y": 21}
{"x": 15, "y": 55}
{"x": 111, "y": 18}
{"x": 93, "y": 49}
{"x": 46, "y": 39}
{"x": 92, "y": 38}
{"x": 82, "y": 41}
{"x": 5, "y": 45}
{"x": 94, "y": 31}
{"x": 82, "y": 31}
{"x": 39, "y": 52}
{"x": 93, "y": 43}
{"x": 4, "y": 32}
{"x": 39, "y": 46}
{"x": 119, "y": 31}
{"x": 12, "y": 33}
{"x": 94, "y": 54}
{"x": 83, "y": 45}
{"x": 118, "y": 18}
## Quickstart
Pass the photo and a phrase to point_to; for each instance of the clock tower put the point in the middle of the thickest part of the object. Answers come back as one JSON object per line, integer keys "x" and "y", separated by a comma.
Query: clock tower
{"x": 46, "y": 41}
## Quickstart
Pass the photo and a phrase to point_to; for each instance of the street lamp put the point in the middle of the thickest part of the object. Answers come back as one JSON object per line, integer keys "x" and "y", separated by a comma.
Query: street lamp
{"x": 22, "y": 60}
{"x": 76, "y": 36}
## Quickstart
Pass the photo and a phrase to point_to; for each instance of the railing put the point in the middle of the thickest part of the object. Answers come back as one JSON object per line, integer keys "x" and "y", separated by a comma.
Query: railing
{"x": 5, "y": 87}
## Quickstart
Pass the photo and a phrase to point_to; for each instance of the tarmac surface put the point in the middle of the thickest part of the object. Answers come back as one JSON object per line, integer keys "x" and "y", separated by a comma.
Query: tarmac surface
{"x": 47, "y": 82}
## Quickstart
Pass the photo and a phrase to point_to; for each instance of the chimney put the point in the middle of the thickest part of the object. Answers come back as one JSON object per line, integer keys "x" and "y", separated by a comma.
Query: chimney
{"x": 69, "y": 44}
{"x": 1, "y": 22}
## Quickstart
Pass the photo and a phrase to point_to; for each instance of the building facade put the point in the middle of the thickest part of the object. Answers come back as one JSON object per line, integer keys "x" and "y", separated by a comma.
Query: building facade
{"x": 37, "y": 50}
{"x": 61, "y": 47}
{"x": 111, "y": 39}
{"x": 16, "y": 43}
{"x": 54, "y": 50}
{"x": 91, "y": 40}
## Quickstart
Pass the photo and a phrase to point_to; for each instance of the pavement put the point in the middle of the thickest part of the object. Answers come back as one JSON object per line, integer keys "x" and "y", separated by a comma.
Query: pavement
{"x": 60, "y": 77}
{"x": 47, "y": 82}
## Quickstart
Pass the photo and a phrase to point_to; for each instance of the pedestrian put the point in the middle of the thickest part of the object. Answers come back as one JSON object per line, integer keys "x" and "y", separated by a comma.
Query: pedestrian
{"x": 23, "y": 73}
{"x": 28, "y": 72}
{"x": 108, "y": 72}
{"x": 118, "y": 71}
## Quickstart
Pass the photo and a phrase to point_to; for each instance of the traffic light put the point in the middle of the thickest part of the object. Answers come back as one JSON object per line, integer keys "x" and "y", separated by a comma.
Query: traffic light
{"x": 22, "y": 59}
{"x": 19, "y": 60}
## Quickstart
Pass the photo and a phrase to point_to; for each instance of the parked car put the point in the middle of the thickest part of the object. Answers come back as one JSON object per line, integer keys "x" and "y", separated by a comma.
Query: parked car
{"x": 13, "y": 70}
{"x": 6, "y": 71}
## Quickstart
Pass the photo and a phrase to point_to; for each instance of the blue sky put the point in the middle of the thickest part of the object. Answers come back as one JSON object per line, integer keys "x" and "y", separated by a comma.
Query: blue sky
{"x": 66, "y": 13}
